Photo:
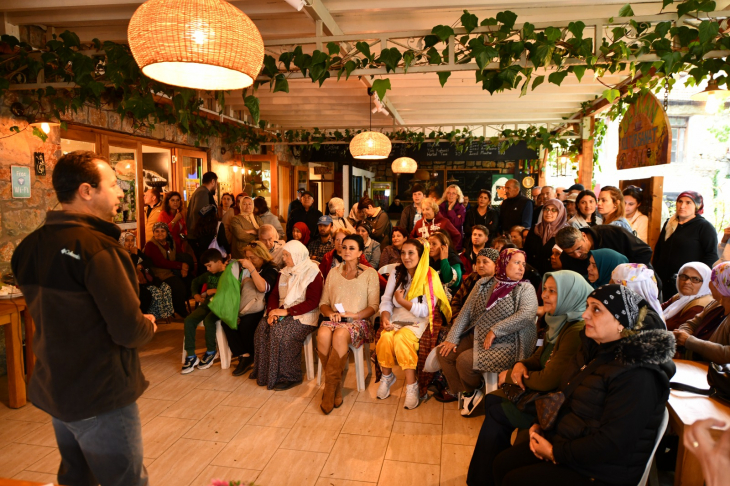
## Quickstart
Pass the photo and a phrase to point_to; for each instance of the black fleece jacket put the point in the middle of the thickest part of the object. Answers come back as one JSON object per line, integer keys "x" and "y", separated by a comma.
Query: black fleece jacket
{"x": 81, "y": 289}
{"x": 615, "y": 238}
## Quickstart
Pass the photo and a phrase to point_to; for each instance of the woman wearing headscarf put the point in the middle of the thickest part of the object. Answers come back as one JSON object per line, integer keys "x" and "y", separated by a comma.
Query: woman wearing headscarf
{"x": 685, "y": 237}
{"x": 167, "y": 268}
{"x": 495, "y": 329}
{"x": 615, "y": 393}
{"x": 445, "y": 261}
{"x": 585, "y": 211}
{"x": 412, "y": 296}
{"x": 292, "y": 314}
{"x": 601, "y": 263}
{"x": 693, "y": 294}
{"x": 300, "y": 232}
{"x": 244, "y": 228}
{"x": 707, "y": 336}
{"x": 639, "y": 278}
{"x": 564, "y": 295}
{"x": 337, "y": 212}
{"x": 539, "y": 243}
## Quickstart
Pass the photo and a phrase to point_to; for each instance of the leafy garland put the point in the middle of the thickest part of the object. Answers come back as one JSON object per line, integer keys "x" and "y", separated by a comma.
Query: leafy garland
{"x": 106, "y": 75}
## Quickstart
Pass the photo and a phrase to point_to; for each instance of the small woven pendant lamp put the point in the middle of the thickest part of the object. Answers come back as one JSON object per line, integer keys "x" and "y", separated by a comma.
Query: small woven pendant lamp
{"x": 199, "y": 44}
{"x": 404, "y": 165}
{"x": 370, "y": 145}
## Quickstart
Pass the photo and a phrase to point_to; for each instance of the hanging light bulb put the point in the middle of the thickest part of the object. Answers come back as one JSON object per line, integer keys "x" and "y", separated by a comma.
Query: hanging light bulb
{"x": 44, "y": 124}
{"x": 712, "y": 104}
{"x": 235, "y": 169}
{"x": 712, "y": 95}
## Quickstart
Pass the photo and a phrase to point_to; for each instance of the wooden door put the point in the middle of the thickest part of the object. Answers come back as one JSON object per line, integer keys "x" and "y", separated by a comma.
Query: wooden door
{"x": 188, "y": 169}
{"x": 653, "y": 192}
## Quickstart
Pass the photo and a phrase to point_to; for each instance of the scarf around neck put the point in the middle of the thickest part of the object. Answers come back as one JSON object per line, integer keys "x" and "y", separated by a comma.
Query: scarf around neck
{"x": 426, "y": 282}
{"x": 573, "y": 290}
{"x": 505, "y": 285}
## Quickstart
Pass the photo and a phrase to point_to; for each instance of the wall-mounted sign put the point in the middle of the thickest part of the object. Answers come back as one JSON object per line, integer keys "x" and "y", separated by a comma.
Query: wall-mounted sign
{"x": 39, "y": 158}
{"x": 320, "y": 170}
{"x": 645, "y": 136}
{"x": 20, "y": 177}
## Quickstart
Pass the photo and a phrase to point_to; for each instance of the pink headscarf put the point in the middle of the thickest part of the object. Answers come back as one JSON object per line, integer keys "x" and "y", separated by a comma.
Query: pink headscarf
{"x": 505, "y": 285}
{"x": 721, "y": 278}
{"x": 548, "y": 230}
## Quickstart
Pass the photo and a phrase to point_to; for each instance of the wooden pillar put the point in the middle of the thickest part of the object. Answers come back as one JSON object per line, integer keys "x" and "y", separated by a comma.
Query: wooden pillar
{"x": 541, "y": 179}
{"x": 585, "y": 171}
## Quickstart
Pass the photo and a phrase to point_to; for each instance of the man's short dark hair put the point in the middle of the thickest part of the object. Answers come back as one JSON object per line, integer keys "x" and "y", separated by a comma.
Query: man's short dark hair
{"x": 365, "y": 203}
{"x": 481, "y": 228}
{"x": 418, "y": 188}
{"x": 209, "y": 177}
{"x": 567, "y": 237}
{"x": 211, "y": 255}
{"x": 156, "y": 192}
{"x": 72, "y": 170}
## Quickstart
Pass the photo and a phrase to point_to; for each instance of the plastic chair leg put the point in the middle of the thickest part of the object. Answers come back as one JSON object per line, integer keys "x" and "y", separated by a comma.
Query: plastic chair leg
{"x": 309, "y": 357}
{"x": 490, "y": 381}
{"x": 359, "y": 367}
{"x": 223, "y": 350}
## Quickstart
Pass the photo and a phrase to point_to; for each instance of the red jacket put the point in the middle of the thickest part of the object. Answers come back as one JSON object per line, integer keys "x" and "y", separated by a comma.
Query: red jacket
{"x": 439, "y": 222}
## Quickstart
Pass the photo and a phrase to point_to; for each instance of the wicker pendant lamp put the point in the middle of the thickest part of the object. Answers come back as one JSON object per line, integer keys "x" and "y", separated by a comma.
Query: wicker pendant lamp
{"x": 370, "y": 145}
{"x": 404, "y": 165}
{"x": 199, "y": 44}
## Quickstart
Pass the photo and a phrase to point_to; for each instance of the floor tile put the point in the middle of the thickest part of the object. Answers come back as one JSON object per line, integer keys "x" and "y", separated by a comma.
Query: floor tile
{"x": 314, "y": 433}
{"x": 370, "y": 392}
{"x": 455, "y": 461}
{"x": 356, "y": 457}
{"x": 408, "y": 474}
{"x": 183, "y": 460}
{"x": 161, "y": 432}
{"x": 47, "y": 464}
{"x": 248, "y": 395}
{"x": 246, "y": 476}
{"x": 307, "y": 389}
{"x": 38, "y": 477}
{"x": 195, "y": 404}
{"x": 150, "y": 408}
{"x": 412, "y": 442}
{"x": 28, "y": 413}
{"x": 44, "y": 435}
{"x": 223, "y": 381}
{"x": 461, "y": 430}
{"x": 293, "y": 468}
{"x": 370, "y": 419}
{"x": 279, "y": 411}
{"x": 15, "y": 458}
{"x": 221, "y": 424}
{"x": 341, "y": 482}
{"x": 175, "y": 387}
{"x": 251, "y": 448}
{"x": 349, "y": 395}
{"x": 12, "y": 430}
{"x": 429, "y": 412}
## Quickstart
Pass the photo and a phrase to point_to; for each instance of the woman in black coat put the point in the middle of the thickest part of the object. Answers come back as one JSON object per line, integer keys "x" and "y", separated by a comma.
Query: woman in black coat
{"x": 539, "y": 243}
{"x": 483, "y": 213}
{"x": 616, "y": 391}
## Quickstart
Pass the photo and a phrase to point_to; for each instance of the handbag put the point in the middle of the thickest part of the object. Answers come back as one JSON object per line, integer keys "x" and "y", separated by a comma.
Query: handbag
{"x": 432, "y": 364}
{"x": 718, "y": 377}
{"x": 214, "y": 244}
{"x": 252, "y": 301}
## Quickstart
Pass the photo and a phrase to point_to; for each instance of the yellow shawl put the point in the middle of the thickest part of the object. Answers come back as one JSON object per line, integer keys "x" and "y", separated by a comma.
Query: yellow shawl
{"x": 426, "y": 282}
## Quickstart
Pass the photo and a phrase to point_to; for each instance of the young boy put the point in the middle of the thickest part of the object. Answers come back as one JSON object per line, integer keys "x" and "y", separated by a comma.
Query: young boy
{"x": 215, "y": 264}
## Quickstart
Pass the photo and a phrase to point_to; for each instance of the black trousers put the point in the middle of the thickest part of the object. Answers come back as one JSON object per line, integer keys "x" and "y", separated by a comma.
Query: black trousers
{"x": 518, "y": 466}
{"x": 494, "y": 438}
{"x": 241, "y": 340}
{"x": 145, "y": 298}
{"x": 179, "y": 294}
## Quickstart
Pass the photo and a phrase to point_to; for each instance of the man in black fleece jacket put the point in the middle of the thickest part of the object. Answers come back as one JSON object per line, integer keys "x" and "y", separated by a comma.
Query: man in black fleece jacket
{"x": 81, "y": 289}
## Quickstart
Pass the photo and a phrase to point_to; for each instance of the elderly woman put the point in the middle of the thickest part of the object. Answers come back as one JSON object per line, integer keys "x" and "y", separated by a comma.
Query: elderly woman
{"x": 244, "y": 228}
{"x": 445, "y": 261}
{"x": 337, "y": 212}
{"x": 155, "y": 297}
{"x": 539, "y": 243}
{"x": 372, "y": 247}
{"x": 174, "y": 216}
{"x": 585, "y": 211}
{"x": 707, "y": 336}
{"x": 412, "y": 296}
{"x": 261, "y": 209}
{"x": 291, "y": 315}
{"x": 494, "y": 330}
{"x": 168, "y": 268}
{"x": 433, "y": 221}
{"x": 263, "y": 273}
{"x": 391, "y": 253}
{"x": 639, "y": 278}
{"x": 452, "y": 208}
{"x": 693, "y": 294}
{"x": 564, "y": 295}
{"x": 355, "y": 287}
{"x": 615, "y": 393}
{"x": 601, "y": 264}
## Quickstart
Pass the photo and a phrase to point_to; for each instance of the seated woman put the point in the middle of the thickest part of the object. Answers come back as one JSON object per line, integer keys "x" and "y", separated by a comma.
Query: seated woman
{"x": 356, "y": 288}
{"x": 292, "y": 315}
{"x": 601, "y": 264}
{"x": 616, "y": 390}
{"x": 372, "y": 247}
{"x": 173, "y": 214}
{"x": 641, "y": 279}
{"x": 155, "y": 296}
{"x": 337, "y": 212}
{"x": 707, "y": 336}
{"x": 414, "y": 292}
{"x": 301, "y": 233}
{"x": 391, "y": 253}
{"x": 564, "y": 295}
{"x": 244, "y": 228}
{"x": 167, "y": 268}
{"x": 432, "y": 221}
{"x": 494, "y": 330}
{"x": 693, "y": 294}
{"x": 258, "y": 261}
{"x": 539, "y": 243}
{"x": 445, "y": 261}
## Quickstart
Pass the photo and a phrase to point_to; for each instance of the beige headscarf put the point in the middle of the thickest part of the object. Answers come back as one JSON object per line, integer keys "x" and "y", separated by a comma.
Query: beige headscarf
{"x": 249, "y": 216}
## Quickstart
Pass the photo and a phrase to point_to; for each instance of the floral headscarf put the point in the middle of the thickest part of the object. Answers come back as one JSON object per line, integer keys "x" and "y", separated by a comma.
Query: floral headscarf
{"x": 124, "y": 236}
{"x": 547, "y": 230}
{"x": 159, "y": 225}
{"x": 721, "y": 278}
{"x": 639, "y": 278}
{"x": 505, "y": 285}
{"x": 673, "y": 222}
{"x": 427, "y": 282}
{"x": 490, "y": 253}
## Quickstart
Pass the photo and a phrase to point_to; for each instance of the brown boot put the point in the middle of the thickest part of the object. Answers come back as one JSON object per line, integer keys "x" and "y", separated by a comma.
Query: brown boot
{"x": 332, "y": 381}
{"x": 338, "y": 391}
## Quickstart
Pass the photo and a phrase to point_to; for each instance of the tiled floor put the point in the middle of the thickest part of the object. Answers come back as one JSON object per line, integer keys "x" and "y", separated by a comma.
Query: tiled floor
{"x": 210, "y": 424}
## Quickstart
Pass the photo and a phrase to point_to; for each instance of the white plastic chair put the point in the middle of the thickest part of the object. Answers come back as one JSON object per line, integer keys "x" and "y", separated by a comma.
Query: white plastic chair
{"x": 361, "y": 354}
{"x": 224, "y": 352}
{"x": 309, "y": 356}
{"x": 650, "y": 463}
{"x": 490, "y": 381}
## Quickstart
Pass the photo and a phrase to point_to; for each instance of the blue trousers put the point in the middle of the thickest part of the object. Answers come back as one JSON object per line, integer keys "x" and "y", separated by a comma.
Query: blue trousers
{"x": 105, "y": 450}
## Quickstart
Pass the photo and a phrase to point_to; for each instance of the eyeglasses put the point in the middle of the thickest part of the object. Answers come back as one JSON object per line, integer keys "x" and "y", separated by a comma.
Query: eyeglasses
{"x": 694, "y": 280}
{"x": 550, "y": 209}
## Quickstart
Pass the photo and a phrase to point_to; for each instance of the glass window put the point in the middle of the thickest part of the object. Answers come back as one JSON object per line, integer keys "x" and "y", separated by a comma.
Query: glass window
{"x": 73, "y": 145}
{"x": 124, "y": 162}
{"x": 192, "y": 174}
{"x": 678, "y": 135}
{"x": 256, "y": 180}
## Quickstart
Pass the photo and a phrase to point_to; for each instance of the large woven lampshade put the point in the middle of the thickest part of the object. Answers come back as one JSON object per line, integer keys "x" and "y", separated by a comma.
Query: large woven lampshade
{"x": 370, "y": 146}
{"x": 199, "y": 44}
{"x": 404, "y": 165}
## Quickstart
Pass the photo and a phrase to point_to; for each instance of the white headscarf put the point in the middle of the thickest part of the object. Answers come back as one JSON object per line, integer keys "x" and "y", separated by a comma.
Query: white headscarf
{"x": 639, "y": 278}
{"x": 679, "y": 304}
{"x": 301, "y": 274}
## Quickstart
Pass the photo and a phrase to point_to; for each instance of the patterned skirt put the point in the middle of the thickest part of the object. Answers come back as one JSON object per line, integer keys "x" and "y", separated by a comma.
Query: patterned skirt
{"x": 161, "y": 306}
{"x": 359, "y": 330}
{"x": 278, "y": 355}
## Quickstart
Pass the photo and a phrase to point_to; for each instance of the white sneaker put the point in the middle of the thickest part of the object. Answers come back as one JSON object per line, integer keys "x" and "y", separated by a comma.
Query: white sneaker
{"x": 470, "y": 403}
{"x": 386, "y": 381}
{"x": 412, "y": 398}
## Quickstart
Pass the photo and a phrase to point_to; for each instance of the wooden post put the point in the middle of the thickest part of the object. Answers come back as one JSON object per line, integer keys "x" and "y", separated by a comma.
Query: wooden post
{"x": 541, "y": 179}
{"x": 585, "y": 171}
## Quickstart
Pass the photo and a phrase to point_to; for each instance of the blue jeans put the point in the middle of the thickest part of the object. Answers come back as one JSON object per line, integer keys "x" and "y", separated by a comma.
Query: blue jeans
{"x": 106, "y": 449}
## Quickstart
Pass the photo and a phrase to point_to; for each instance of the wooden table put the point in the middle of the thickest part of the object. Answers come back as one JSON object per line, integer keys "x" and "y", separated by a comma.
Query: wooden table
{"x": 685, "y": 409}
{"x": 10, "y": 312}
